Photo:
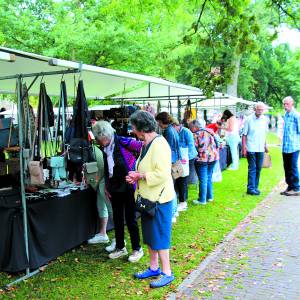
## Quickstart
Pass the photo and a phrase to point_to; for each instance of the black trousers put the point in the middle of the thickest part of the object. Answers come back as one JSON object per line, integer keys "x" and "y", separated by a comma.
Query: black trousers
{"x": 124, "y": 202}
{"x": 290, "y": 164}
{"x": 181, "y": 187}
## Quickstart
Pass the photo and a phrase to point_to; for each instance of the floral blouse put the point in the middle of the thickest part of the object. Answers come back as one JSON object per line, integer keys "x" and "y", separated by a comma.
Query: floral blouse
{"x": 206, "y": 146}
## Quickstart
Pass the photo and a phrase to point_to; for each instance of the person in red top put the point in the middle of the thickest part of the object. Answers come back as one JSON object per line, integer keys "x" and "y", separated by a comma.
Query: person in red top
{"x": 214, "y": 126}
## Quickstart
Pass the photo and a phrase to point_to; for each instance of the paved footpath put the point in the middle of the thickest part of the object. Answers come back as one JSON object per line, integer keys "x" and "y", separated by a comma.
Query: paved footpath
{"x": 259, "y": 260}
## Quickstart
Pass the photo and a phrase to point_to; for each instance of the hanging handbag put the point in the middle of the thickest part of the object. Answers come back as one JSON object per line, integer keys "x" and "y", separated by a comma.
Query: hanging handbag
{"x": 57, "y": 163}
{"x": 79, "y": 151}
{"x": 36, "y": 172}
{"x": 91, "y": 174}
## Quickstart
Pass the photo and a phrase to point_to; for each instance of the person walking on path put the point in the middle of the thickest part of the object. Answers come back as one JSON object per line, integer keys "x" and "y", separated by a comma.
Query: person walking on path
{"x": 254, "y": 146}
{"x": 291, "y": 147}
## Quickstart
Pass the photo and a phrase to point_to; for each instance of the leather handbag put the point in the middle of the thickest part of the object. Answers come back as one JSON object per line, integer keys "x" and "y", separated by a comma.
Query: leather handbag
{"x": 36, "y": 172}
{"x": 177, "y": 169}
{"x": 267, "y": 163}
{"x": 91, "y": 174}
{"x": 57, "y": 163}
{"x": 145, "y": 206}
{"x": 79, "y": 151}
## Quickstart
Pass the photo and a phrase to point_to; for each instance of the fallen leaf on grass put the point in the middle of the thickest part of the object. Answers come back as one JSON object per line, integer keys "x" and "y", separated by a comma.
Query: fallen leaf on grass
{"x": 76, "y": 259}
{"x": 139, "y": 293}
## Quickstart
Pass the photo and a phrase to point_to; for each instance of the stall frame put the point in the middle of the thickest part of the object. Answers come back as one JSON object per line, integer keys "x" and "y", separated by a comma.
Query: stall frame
{"x": 20, "y": 98}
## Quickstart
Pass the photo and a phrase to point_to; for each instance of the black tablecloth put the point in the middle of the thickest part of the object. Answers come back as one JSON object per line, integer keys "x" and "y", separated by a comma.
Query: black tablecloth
{"x": 54, "y": 226}
{"x": 225, "y": 157}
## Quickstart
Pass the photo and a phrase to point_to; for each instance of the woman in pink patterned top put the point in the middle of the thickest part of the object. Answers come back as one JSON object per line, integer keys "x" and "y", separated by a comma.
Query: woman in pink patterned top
{"x": 208, "y": 154}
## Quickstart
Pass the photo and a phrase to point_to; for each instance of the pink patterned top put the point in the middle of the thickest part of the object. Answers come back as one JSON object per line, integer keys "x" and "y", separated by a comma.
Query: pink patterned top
{"x": 206, "y": 146}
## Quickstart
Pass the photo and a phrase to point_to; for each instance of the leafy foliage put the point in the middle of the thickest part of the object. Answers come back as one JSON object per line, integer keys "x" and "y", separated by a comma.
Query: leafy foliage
{"x": 174, "y": 39}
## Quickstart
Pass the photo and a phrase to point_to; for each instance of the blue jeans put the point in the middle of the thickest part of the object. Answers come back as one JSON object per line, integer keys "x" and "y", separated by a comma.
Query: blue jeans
{"x": 233, "y": 142}
{"x": 204, "y": 172}
{"x": 255, "y": 162}
{"x": 290, "y": 164}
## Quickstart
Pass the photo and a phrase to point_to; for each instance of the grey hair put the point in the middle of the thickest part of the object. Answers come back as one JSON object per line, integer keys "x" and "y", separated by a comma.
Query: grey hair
{"x": 143, "y": 121}
{"x": 196, "y": 123}
{"x": 259, "y": 103}
{"x": 103, "y": 129}
{"x": 288, "y": 98}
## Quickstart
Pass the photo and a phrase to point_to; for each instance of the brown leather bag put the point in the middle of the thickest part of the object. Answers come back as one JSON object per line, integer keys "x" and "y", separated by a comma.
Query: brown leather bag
{"x": 177, "y": 169}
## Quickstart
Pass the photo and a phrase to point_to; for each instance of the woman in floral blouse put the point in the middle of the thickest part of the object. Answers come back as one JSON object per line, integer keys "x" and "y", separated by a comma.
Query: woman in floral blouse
{"x": 208, "y": 154}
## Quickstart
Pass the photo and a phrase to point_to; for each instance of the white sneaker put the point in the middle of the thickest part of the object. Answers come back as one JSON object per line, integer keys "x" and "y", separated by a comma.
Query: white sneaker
{"x": 174, "y": 220}
{"x": 182, "y": 206}
{"x": 112, "y": 246}
{"x": 118, "y": 253}
{"x": 99, "y": 239}
{"x": 136, "y": 255}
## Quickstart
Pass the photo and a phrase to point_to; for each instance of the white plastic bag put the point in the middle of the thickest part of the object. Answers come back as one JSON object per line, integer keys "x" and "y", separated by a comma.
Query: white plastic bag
{"x": 217, "y": 173}
{"x": 185, "y": 156}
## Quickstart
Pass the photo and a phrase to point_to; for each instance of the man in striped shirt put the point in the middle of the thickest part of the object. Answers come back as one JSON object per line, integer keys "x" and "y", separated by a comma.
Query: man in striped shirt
{"x": 291, "y": 147}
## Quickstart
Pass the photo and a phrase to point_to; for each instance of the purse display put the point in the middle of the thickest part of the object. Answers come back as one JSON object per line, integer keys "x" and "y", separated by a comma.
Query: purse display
{"x": 58, "y": 166}
{"x": 91, "y": 174}
{"x": 36, "y": 172}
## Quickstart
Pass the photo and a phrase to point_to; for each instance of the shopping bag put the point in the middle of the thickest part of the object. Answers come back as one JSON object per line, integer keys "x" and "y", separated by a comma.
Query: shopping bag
{"x": 217, "y": 173}
{"x": 267, "y": 161}
{"x": 185, "y": 156}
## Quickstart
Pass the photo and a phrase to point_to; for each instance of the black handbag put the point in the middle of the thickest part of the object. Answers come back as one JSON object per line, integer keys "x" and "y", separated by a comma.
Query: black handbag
{"x": 80, "y": 151}
{"x": 145, "y": 206}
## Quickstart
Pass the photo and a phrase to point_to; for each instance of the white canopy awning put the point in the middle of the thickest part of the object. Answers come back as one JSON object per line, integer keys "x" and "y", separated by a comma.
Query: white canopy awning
{"x": 98, "y": 82}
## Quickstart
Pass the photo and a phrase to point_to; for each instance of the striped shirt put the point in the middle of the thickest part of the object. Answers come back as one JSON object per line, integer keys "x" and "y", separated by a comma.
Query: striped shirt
{"x": 291, "y": 132}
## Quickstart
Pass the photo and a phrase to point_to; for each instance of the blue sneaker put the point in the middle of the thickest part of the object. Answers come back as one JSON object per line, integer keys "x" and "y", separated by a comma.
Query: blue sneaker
{"x": 148, "y": 273}
{"x": 162, "y": 281}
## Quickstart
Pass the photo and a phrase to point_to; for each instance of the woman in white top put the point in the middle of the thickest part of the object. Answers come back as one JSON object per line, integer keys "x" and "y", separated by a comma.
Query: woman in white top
{"x": 232, "y": 137}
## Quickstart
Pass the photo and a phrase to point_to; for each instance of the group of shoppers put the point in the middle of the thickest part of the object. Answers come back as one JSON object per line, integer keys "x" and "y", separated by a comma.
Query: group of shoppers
{"x": 142, "y": 168}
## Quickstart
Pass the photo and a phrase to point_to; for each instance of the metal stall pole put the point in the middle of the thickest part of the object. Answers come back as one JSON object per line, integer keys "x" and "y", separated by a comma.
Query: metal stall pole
{"x": 23, "y": 196}
{"x": 21, "y": 142}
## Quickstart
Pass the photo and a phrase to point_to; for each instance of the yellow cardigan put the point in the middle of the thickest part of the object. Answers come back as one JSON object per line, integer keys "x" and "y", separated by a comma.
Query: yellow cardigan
{"x": 156, "y": 165}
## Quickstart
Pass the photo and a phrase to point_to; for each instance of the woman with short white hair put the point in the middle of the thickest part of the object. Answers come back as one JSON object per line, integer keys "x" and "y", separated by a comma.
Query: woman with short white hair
{"x": 121, "y": 154}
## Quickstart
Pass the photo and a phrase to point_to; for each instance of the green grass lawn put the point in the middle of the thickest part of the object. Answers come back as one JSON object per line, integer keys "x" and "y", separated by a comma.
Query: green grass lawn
{"x": 86, "y": 273}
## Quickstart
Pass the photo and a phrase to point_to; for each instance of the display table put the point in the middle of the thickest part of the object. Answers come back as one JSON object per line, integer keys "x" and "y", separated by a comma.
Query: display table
{"x": 54, "y": 226}
{"x": 225, "y": 157}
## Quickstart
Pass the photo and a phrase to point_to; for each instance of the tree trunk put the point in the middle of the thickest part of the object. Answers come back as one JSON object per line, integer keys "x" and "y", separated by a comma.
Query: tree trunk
{"x": 231, "y": 88}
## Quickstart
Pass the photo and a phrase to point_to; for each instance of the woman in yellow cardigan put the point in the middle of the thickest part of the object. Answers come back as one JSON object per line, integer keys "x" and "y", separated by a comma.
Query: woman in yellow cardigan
{"x": 154, "y": 182}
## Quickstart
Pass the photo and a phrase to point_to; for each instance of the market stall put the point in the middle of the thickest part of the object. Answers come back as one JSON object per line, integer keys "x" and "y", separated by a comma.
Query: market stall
{"x": 44, "y": 223}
